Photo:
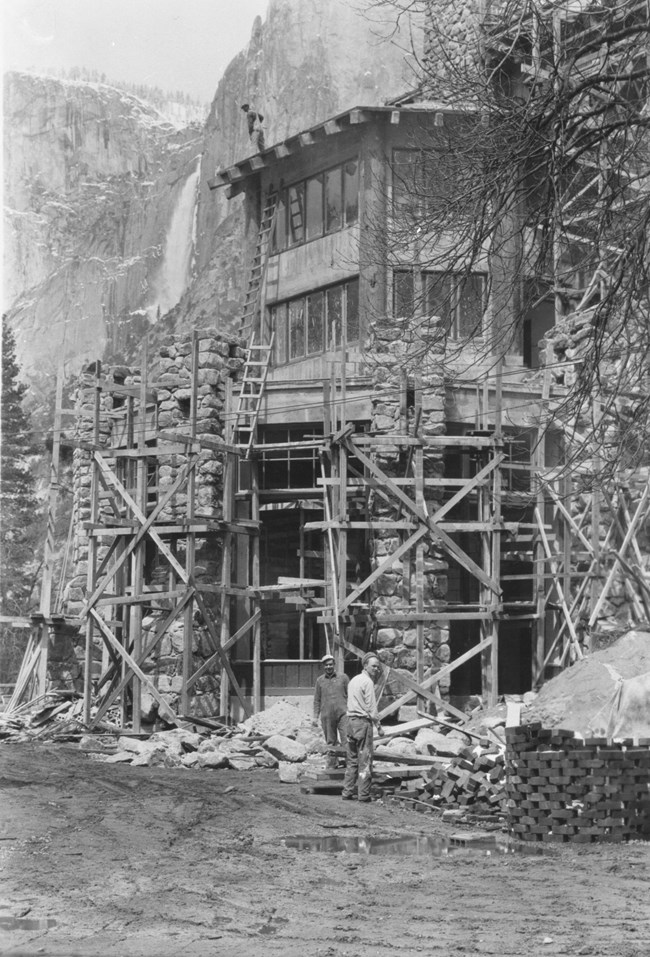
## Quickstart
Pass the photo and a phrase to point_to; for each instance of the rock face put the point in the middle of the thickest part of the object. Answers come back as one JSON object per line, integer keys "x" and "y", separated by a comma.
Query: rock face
{"x": 94, "y": 179}
{"x": 110, "y": 218}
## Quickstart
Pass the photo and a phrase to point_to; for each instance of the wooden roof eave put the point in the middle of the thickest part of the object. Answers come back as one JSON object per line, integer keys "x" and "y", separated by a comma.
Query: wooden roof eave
{"x": 234, "y": 176}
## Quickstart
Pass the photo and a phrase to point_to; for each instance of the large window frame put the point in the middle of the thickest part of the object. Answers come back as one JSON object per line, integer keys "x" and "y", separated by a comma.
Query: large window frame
{"x": 459, "y": 299}
{"x": 309, "y": 325}
{"x": 421, "y": 179}
{"x": 317, "y": 206}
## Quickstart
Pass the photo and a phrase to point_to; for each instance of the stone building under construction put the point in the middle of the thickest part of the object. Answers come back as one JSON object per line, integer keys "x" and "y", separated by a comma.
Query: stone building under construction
{"x": 370, "y": 462}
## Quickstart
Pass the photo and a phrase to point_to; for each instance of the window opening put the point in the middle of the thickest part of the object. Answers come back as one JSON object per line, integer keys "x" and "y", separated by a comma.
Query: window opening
{"x": 333, "y": 200}
{"x": 309, "y": 325}
{"x": 296, "y": 213}
{"x": 314, "y": 207}
{"x": 296, "y": 328}
{"x": 315, "y": 323}
{"x": 351, "y": 191}
{"x": 321, "y": 204}
{"x": 458, "y": 299}
{"x": 335, "y": 316}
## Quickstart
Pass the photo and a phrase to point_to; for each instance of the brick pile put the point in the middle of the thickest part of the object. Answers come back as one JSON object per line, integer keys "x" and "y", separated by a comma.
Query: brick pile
{"x": 562, "y": 788}
{"x": 475, "y": 780}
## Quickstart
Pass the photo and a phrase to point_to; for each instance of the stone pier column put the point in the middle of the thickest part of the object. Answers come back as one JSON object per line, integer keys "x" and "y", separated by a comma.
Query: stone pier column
{"x": 395, "y": 592}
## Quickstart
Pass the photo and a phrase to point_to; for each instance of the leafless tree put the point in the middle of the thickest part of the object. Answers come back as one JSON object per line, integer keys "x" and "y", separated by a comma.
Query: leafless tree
{"x": 541, "y": 178}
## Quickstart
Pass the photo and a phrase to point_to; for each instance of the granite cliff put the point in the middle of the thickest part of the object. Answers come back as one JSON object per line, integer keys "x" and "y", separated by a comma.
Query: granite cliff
{"x": 109, "y": 221}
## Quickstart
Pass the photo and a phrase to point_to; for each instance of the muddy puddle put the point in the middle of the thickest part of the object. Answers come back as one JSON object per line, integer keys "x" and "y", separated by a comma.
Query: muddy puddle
{"x": 411, "y": 845}
{"x": 26, "y": 923}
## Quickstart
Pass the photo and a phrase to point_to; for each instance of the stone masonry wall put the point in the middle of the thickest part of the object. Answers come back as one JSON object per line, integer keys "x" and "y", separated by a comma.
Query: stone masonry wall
{"x": 395, "y": 591}
{"x": 219, "y": 358}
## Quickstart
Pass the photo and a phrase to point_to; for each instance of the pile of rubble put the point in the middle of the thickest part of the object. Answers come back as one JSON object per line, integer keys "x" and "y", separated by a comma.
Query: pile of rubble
{"x": 471, "y": 782}
{"x": 416, "y": 764}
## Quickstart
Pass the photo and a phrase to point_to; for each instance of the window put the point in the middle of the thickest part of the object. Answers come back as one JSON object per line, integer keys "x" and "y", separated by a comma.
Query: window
{"x": 422, "y": 180}
{"x": 403, "y": 293}
{"x": 310, "y": 325}
{"x": 406, "y": 181}
{"x": 296, "y": 211}
{"x": 314, "y": 189}
{"x": 315, "y": 323}
{"x": 279, "y": 240}
{"x": 351, "y": 191}
{"x": 321, "y": 204}
{"x": 459, "y": 299}
{"x": 333, "y": 200}
{"x": 296, "y": 312}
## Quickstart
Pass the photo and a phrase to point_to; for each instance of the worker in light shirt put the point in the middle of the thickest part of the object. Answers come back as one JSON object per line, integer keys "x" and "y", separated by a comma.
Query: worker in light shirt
{"x": 363, "y": 714}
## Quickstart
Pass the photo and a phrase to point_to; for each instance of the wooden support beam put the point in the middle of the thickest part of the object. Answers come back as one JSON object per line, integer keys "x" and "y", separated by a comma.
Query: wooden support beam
{"x": 358, "y": 116}
{"x": 240, "y": 633}
{"x": 383, "y": 566}
{"x": 146, "y": 525}
{"x": 190, "y": 539}
{"x": 391, "y": 491}
{"x": 92, "y": 555}
{"x": 435, "y": 678}
{"x": 161, "y": 629}
{"x": 405, "y": 679}
{"x": 225, "y": 663}
{"x": 109, "y": 637}
{"x": 638, "y": 514}
{"x": 333, "y": 571}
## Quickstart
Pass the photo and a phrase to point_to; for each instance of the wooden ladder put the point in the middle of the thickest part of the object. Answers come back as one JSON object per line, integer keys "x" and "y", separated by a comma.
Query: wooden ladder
{"x": 260, "y": 260}
{"x": 249, "y": 400}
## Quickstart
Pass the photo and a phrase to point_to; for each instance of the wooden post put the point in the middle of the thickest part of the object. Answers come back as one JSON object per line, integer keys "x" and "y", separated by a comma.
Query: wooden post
{"x": 342, "y": 584}
{"x": 302, "y": 571}
{"x": 45, "y": 606}
{"x": 255, "y": 584}
{"x": 137, "y": 560}
{"x": 190, "y": 538}
{"x": 92, "y": 554}
{"x": 418, "y": 463}
{"x": 495, "y": 518}
{"x": 231, "y": 463}
{"x": 539, "y": 557}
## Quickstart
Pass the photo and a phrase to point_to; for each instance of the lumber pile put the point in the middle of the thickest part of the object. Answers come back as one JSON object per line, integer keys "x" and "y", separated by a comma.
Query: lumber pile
{"x": 54, "y": 716}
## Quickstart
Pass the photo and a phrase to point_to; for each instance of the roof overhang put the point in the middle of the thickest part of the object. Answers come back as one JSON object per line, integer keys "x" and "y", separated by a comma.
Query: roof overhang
{"x": 235, "y": 176}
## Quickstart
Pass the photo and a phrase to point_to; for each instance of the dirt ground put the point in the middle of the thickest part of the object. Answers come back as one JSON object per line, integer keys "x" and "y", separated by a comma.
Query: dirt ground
{"x": 148, "y": 861}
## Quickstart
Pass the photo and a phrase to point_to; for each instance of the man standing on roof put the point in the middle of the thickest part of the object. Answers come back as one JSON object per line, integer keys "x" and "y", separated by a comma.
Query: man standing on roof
{"x": 362, "y": 715}
{"x": 255, "y": 130}
{"x": 330, "y": 705}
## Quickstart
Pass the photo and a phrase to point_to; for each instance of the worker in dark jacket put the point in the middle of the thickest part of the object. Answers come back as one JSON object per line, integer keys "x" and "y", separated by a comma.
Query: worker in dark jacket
{"x": 330, "y": 705}
{"x": 255, "y": 129}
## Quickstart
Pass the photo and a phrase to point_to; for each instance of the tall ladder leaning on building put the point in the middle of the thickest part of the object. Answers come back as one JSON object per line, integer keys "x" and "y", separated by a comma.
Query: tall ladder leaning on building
{"x": 258, "y": 353}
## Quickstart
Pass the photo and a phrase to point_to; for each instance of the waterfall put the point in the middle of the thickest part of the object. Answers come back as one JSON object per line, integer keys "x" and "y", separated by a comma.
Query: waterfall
{"x": 175, "y": 269}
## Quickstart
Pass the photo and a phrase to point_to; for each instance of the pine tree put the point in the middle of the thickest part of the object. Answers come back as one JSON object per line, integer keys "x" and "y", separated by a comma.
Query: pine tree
{"x": 20, "y": 515}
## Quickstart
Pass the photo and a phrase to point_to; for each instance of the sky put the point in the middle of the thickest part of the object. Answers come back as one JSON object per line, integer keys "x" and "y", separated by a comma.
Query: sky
{"x": 174, "y": 44}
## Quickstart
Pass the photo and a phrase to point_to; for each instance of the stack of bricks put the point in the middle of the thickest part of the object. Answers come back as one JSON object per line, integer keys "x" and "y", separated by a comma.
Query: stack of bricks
{"x": 476, "y": 776}
{"x": 562, "y": 788}
{"x": 474, "y": 780}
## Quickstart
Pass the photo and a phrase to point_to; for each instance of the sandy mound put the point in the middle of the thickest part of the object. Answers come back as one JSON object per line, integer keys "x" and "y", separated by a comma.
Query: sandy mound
{"x": 573, "y": 698}
{"x": 281, "y": 718}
